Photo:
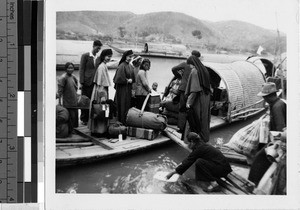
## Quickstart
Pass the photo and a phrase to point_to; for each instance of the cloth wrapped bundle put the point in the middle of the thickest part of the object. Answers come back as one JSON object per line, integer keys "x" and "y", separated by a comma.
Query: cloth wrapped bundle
{"x": 62, "y": 122}
{"x": 246, "y": 140}
{"x": 117, "y": 128}
{"x": 83, "y": 101}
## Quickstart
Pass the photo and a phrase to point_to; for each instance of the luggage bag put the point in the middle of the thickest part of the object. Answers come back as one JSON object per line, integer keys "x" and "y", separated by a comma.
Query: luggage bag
{"x": 139, "y": 118}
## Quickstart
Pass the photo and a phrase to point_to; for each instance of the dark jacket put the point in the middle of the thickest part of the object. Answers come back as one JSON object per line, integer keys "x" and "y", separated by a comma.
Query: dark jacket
{"x": 277, "y": 115}
{"x": 186, "y": 70}
{"x": 206, "y": 152}
{"x": 87, "y": 69}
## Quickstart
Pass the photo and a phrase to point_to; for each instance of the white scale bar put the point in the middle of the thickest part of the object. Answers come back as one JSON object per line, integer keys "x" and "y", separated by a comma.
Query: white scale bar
{"x": 27, "y": 159}
{"x": 21, "y": 114}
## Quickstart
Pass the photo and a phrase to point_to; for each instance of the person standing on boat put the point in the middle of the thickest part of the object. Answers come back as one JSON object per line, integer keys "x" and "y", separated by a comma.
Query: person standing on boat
{"x": 183, "y": 71}
{"x": 87, "y": 68}
{"x": 198, "y": 98}
{"x": 123, "y": 80}
{"x": 100, "y": 93}
{"x": 210, "y": 163}
{"x": 142, "y": 84}
{"x": 67, "y": 88}
{"x": 277, "y": 111}
{"x": 135, "y": 63}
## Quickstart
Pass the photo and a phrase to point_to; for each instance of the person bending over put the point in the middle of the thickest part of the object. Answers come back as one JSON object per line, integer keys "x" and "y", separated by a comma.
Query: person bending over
{"x": 210, "y": 163}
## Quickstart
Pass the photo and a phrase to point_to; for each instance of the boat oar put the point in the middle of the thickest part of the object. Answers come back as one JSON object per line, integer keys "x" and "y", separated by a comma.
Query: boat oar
{"x": 93, "y": 139}
{"x": 172, "y": 135}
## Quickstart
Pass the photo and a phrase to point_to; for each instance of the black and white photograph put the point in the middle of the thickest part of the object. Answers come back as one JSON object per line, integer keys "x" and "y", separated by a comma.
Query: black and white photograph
{"x": 157, "y": 98}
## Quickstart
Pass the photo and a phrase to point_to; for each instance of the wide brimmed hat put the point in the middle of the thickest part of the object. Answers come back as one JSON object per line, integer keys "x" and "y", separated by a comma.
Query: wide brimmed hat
{"x": 267, "y": 89}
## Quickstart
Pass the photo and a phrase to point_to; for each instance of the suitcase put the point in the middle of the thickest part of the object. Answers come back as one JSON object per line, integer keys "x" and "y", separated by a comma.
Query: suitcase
{"x": 148, "y": 120}
{"x": 153, "y": 103}
{"x": 142, "y": 133}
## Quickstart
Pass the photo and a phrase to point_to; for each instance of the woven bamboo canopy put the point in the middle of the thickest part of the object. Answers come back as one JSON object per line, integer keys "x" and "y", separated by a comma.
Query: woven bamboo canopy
{"x": 243, "y": 81}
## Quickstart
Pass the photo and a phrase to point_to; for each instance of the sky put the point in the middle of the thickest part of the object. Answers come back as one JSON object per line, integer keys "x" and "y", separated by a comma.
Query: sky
{"x": 269, "y": 14}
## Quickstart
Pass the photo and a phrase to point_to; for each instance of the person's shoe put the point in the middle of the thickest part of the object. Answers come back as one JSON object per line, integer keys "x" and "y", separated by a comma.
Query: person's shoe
{"x": 211, "y": 188}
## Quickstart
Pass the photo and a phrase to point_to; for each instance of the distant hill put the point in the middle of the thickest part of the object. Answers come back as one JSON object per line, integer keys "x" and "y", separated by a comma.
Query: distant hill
{"x": 167, "y": 27}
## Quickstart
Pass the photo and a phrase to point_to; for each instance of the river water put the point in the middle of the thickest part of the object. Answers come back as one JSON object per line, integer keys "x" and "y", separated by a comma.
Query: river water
{"x": 134, "y": 173}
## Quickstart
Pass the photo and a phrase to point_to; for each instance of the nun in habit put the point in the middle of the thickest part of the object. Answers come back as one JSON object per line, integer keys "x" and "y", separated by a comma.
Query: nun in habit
{"x": 123, "y": 79}
{"x": 198, "y": 98}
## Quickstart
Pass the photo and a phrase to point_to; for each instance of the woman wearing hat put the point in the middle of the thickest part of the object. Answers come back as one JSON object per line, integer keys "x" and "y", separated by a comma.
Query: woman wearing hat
{"x": 123, "y": 80}
{"x": 100, "y": 92}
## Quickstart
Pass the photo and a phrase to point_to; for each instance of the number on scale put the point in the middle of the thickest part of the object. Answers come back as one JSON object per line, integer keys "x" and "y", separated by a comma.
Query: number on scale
{"x": 11, "y": 148}
{"x": 11, "y": 95}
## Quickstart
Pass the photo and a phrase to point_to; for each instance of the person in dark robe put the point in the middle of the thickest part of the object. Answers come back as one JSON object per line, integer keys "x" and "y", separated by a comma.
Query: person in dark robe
{"x": 123, "y": 80}
{"x": 210, "y": 163}
{"x": 198, "y": 98}
{"x": 67, "y": 89}
{"x": 182, "y": 71}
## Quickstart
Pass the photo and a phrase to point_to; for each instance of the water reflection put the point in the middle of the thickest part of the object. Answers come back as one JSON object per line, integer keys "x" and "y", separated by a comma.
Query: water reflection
{"x": 132, "y": 176}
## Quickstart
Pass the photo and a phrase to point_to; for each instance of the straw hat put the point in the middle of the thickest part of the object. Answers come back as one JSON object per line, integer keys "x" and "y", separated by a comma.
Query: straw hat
{"x": 267, "y": 89}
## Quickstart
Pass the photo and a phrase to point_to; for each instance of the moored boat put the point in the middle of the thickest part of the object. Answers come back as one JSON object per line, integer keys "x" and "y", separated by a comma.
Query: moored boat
{"x": 82, "y": 148}
{"x": 234, "y": 91}
{"x": 152, "y": 53}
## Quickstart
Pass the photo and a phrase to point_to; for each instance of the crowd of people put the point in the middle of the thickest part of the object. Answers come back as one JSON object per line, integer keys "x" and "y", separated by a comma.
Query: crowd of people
{"x": 130, "y": 82}
{"x": 132, "y": 86}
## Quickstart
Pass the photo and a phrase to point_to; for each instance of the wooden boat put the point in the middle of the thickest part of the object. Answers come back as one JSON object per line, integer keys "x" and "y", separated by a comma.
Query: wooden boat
{"x": 82, "y": 148}
{"x": 234, "y": 91}
{"x": 235, "y": 87}
{"x": 151, "y": 53}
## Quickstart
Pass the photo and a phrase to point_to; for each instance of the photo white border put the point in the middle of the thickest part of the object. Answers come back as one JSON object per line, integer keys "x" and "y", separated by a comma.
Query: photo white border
{"x": 126, "y": 201}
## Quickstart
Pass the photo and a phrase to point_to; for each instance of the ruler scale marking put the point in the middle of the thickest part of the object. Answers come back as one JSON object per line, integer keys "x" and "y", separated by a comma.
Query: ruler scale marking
{"x": 8, "y": 101}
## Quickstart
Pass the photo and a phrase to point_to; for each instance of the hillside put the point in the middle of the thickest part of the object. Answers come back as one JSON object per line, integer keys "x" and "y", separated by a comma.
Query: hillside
{"x": 237, "y": 33}
{"x": 166, "y": 27}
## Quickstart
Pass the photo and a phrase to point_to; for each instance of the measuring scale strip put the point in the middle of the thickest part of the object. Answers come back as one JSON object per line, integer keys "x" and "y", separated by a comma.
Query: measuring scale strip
{"x": 8, "y": 101}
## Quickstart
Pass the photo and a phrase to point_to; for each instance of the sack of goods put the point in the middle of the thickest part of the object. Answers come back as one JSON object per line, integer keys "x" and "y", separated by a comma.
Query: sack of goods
{"x": 154, "y": 103}
{"x": 246, "y": 140}
{"x": 83, "y": 102}
{"x": 62, "y": 122}
{"x": 117, "y": 128}
{"x": 142, "y": 133}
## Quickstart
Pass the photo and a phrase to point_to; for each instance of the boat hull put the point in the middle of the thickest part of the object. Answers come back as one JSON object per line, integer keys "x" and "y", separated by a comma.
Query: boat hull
{"x": 67, "y": 155}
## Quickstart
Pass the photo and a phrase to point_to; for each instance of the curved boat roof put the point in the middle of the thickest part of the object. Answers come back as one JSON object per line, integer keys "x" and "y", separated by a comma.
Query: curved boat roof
{"x": 243, "y": 81}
